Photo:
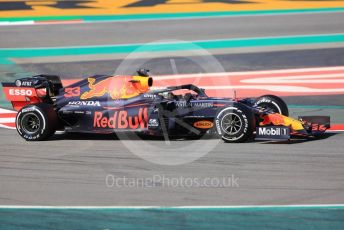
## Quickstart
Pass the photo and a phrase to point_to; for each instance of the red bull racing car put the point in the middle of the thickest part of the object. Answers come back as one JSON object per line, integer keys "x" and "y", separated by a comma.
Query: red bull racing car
{"x": 111, "y": 104}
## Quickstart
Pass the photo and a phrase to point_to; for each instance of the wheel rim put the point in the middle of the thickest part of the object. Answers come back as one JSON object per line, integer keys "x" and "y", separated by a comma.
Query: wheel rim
{"x": 30, "y": 123}
{"x": 231, "y": 124}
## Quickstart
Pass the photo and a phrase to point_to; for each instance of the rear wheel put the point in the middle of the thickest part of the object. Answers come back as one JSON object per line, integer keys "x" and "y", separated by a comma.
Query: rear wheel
{"x": 273, "y": 103}
{"x": 36, "y": 122}
{"x": 234, "y": 124}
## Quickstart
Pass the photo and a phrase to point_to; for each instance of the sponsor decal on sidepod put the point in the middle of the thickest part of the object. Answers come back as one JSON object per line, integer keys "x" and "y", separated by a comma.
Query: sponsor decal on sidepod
{"x": 153, "y": 122}
{"x": 121, "y": 120}
{"x": 20, "y": 92}
{"x": 86, "y": 103}
{"x": 203, "y": 124}
{"x": 272, "y": 132}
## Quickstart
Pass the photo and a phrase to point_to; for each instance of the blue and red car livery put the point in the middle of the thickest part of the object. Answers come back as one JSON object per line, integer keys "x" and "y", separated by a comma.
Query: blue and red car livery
{"x": 110, "y": 104}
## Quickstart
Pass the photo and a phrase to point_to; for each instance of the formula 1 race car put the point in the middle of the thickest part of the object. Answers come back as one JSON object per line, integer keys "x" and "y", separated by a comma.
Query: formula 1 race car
{"x": 111, "y": 104}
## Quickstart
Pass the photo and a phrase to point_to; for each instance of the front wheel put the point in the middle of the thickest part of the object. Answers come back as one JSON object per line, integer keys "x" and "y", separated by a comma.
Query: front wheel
{"x": 36, "y": 122}
{"x": 234, "y": 124}
{"x": 274, "y": 103}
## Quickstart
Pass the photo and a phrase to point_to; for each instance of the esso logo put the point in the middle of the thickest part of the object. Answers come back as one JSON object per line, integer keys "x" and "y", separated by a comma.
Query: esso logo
{"x": 20, "y": 92}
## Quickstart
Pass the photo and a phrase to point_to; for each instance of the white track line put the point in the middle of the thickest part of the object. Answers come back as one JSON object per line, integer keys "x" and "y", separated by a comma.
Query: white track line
{"x": 272, "y": 88}
{"x": 18, "y": 23}
{"x": 6, "y": 111}
{"x": 7, "y": 119}
{"x": 260, "y": 72}
{"x": 319, "y": 78}
{"x": 6, "y": 127}
{"x": 277, "y": 88}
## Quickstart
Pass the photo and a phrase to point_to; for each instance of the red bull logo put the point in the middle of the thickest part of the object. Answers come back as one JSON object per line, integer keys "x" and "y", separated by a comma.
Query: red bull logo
{"x": 276, "y": 119}
{"x": 121, "y": 120}
{"x": 279, "y": 119}
{"x": 117, "y": 87}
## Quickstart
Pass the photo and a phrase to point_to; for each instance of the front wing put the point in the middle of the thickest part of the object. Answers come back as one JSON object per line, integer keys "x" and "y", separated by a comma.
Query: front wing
{"x": 279, "y": 127}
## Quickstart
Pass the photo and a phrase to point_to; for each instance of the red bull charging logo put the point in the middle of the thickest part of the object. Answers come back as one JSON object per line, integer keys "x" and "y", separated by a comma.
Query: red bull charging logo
{"x": 279, "y": 119}
{"x": 118, "y": 87}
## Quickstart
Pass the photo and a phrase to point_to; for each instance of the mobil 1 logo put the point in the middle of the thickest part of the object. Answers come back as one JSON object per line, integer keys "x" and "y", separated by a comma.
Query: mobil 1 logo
{"x": 273, "y": 132}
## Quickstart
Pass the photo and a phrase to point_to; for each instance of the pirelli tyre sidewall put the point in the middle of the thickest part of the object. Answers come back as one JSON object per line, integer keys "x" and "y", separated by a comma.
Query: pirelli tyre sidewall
{"x": 36, "y": 122}
{"x": 242, "y": 117}
{"x": 273, "y": 102}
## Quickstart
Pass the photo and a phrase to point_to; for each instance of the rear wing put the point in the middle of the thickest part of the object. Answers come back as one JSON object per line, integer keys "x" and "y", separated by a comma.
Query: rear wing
{"x": 24, "y": 91}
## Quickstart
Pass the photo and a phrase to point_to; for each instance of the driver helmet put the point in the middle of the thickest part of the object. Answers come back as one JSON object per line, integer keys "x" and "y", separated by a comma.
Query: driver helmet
{"x": 143, "y": 72}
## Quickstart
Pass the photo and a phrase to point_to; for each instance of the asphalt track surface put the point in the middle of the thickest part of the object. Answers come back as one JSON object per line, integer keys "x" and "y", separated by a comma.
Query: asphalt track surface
{"x": 103, "y": 33}
{"x": 194, "y": 64}
{"x": 72, "y": 169}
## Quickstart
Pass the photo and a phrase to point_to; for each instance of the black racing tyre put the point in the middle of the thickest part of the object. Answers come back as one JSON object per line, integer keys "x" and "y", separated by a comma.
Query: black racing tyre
{"x": 272, "y": 102}
{"x": 36, "y": 122}
{"x": 235, "y": 124}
